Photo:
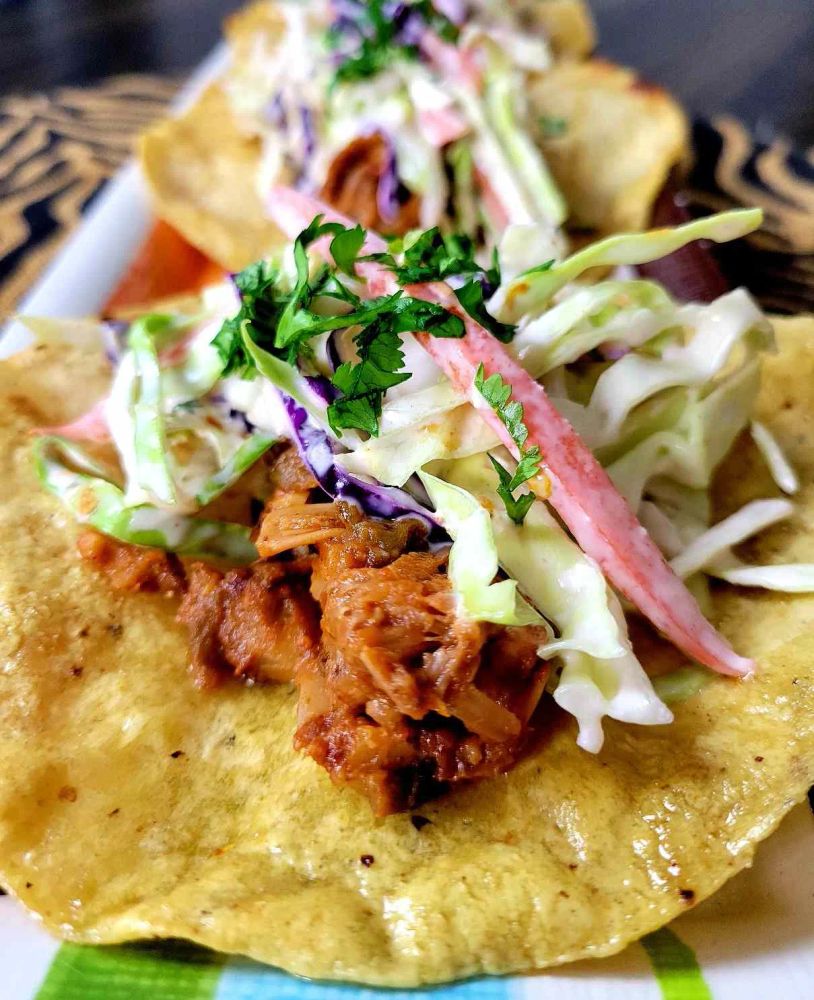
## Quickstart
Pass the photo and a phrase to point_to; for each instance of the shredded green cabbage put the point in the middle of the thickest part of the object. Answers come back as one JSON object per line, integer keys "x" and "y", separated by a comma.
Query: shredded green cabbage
{"x": 625, "y": 314}
{"x": 528, "y": 294}
{"x": 715, "y": 543}
{"x": 144, "y": 403}
{"x": 95, "y": 500}
{"x": 473, "y": 559}
{"x": 779, "y": 466}
{"x": 601, "y": 675}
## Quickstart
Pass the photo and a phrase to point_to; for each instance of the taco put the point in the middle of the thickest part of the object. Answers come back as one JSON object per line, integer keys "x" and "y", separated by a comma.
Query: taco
{"x": 414, "y": 116}
{"x": 340, "y": 676}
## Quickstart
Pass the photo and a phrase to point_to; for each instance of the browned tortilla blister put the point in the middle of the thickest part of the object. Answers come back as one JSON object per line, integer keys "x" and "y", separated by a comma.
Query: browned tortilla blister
{"x": 133, "y": 805}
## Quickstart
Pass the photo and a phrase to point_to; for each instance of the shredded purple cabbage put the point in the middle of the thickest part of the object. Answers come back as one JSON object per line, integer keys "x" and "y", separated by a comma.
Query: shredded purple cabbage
{"x": 114, "y": 336}
{"x": 317, "y": 452}
{"x": 276, "y": 114}
{"x": 309, "y": 136}
{"x": 387, "y": 193}
{"x": 410, "y": 26}
{"x": 322, "y": 386}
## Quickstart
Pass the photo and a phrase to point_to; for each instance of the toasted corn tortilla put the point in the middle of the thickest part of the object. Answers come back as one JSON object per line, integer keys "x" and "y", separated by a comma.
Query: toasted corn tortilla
{"x": 568, "y": 25}
{"x": 132, "y": 805}
{"x": 202, "y": 174}
{"x": 621, "y": 138}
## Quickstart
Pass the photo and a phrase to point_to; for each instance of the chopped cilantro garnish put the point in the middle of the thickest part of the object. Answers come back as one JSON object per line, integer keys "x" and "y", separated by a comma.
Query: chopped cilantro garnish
{"x": 261, "y": 307}
{"x": 282, "y": 322}
{"x": 363, "y": 384}
{"x": 516, "y": 508}
{"x": 371, "y": 34}
{"x": 498, "y": 394}
{"x": 345, "y": 247}
{"x": 436, "y": 257}
{"x": 470, "y": 296}
{"x": 378, "y": 345}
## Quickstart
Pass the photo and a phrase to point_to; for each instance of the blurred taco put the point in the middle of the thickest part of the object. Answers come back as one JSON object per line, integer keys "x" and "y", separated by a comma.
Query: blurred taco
{"x": 406, "y": 116}
{"x": 388, "y": 528}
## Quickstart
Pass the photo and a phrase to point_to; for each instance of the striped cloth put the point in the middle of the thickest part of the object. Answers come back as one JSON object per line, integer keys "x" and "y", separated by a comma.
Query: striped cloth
{"x": 753, "y": 940}
{"x": 56, "y": 151}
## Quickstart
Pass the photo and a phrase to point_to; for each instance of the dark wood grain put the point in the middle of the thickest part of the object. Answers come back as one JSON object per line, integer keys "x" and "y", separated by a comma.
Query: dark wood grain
{"x": 751, "y": 58}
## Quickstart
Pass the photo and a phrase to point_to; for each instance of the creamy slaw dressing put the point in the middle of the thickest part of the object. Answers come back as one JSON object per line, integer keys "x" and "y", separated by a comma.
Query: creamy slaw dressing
{"x": 660, "y": 409}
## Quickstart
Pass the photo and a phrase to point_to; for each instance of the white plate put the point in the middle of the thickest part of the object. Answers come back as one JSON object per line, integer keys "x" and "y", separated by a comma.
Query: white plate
{"x": 85, "y": 271}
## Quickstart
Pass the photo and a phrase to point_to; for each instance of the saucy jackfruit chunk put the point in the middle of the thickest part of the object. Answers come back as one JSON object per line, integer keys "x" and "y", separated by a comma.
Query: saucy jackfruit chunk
{"x": 354, "y": 182}
{"x": 400, "y": 696}
{"x": 407, "y": 696}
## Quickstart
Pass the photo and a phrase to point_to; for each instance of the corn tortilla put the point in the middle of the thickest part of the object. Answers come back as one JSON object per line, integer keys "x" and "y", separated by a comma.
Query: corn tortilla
{"x": 620, "y": 140}
{"x": 132, "y": 805}
{"x": 202, "y": 175}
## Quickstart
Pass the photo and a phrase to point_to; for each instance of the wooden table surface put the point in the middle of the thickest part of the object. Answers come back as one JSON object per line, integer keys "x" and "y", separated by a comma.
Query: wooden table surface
{"x": 751, "y": 58}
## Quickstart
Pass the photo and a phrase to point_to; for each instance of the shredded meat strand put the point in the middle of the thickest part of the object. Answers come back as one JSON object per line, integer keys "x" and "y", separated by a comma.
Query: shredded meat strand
{"x": 408, "y": 697}
{"x": 131, "y": 567}
{"x": 352, "y": 187}
{"x": 258, "y": 622}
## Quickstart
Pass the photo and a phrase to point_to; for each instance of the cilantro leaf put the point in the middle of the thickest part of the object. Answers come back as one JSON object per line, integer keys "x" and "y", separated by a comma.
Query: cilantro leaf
{"x": 470, "y": 296}
{"x": 527, "y": 468}
{"x": 371, "y": 34}
{"x": 381, "y": 359}
{"x": 229, "y": 345}
{"x": 516, "y": 508}
{"x": 297, "y": 323}
{"x": 364, "y": 384}
{"x": 434, "y": 257}
{"x": 497, "y": 394}
{"x": 418, "y": 316}
{"x": 345, "y": 247}
{"x": 360, "y": 412}
{"x": 261, "y": 307}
